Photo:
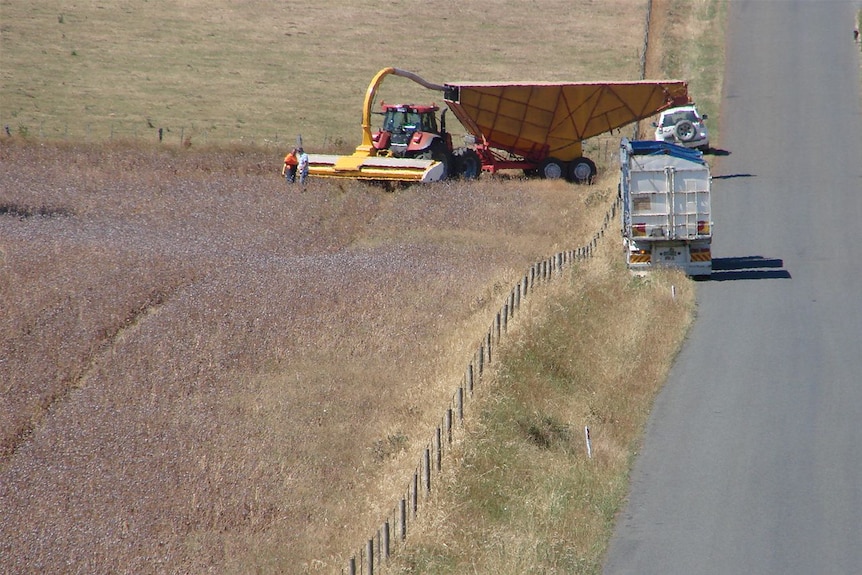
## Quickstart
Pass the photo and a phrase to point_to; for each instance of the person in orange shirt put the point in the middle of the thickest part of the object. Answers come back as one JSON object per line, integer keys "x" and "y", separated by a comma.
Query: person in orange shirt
{"x": 289, "y": 168}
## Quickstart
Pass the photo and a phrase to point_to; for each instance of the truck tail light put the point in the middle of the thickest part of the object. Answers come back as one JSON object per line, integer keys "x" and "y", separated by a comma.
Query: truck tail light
{"x": 702, "y": 227}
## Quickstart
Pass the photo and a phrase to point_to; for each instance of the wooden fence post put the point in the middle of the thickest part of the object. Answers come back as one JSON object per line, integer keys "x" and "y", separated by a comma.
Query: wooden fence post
{"x": 402, "y": 511}
{"x": 427, "y": 470}
{"x": 449, "y": 425}
{"x": 384, "y": 552}
{"x": 439, "y": 447}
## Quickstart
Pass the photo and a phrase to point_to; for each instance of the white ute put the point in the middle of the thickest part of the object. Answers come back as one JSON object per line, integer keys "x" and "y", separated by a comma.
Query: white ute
{"x": 683, "y": 126}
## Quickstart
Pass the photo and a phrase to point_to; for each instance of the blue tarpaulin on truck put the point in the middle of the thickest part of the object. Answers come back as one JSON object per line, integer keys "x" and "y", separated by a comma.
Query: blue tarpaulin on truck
{"x": 650, "y": 147}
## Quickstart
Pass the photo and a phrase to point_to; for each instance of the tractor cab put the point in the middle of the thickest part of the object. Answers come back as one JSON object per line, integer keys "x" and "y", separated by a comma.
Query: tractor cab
{"x": 408, "y": 118}
{"x": 406, "y": 128}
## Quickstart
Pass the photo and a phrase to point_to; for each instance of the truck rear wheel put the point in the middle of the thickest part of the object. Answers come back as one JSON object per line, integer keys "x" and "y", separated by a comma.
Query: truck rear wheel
{"x": 467, "y": 163}
{"x": 552, "y": 169}
{"x": 582, "y": 171}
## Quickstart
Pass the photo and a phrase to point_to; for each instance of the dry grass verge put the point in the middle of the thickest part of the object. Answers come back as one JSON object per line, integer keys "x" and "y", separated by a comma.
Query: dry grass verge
{"x": 524, "y": 496}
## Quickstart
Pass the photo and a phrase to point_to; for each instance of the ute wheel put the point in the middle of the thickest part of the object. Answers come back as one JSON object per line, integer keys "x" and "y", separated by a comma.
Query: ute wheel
{"x": 582, "y": 171}
{"x": 467, "y": 163}
{"x": 552, "y": 169}
{"x": 684, "y": 131}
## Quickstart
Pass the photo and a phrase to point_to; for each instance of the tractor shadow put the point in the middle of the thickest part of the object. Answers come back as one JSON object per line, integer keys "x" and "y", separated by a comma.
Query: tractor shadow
{"x": 747, "y": 268}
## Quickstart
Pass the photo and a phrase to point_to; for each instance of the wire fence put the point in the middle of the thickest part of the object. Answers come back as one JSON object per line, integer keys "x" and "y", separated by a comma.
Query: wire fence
{"x": 185, "y": 136}
{"x": 378, "y": 548}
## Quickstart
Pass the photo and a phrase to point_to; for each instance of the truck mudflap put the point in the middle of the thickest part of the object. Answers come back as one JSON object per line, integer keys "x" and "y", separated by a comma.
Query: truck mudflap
{"x": 377, "y": 168}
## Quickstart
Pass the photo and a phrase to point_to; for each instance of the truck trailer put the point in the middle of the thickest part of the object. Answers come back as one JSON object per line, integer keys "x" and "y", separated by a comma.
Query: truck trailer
{"x": 666, "y": 219}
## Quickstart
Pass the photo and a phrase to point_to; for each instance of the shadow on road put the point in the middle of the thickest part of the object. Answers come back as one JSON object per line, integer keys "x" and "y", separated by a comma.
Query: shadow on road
{"x": 730, "y": 176}
{"x": 747, "y": 268}
{"x": 717, "y": 152}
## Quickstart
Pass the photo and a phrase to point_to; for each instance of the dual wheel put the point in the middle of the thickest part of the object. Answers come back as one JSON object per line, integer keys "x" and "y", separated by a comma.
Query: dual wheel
{"x": 580, "y": 170}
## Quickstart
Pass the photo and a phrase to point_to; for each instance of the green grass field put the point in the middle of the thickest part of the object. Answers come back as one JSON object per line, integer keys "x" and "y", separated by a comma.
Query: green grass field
{"x": 267, "y": 71}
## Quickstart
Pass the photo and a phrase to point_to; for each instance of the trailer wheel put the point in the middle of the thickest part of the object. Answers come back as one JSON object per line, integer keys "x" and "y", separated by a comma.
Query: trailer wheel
{"x": 684, "y": 130}
{"x": 582, "y": 171}
{"x": 552, "y": 169}
{"x": 467, "y": 163}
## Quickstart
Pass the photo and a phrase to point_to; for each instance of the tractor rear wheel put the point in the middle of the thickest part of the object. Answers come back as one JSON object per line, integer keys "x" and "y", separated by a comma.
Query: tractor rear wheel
{"x": 467, "y": 163}
{"x": 438, "y": 152}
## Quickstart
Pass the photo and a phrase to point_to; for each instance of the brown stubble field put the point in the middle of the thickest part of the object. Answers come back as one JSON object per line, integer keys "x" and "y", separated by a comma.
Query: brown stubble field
{"x": 205, "y": 369}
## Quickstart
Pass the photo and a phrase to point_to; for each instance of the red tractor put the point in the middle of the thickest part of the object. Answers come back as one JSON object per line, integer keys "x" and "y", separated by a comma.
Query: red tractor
{"x": 411, "y": 131}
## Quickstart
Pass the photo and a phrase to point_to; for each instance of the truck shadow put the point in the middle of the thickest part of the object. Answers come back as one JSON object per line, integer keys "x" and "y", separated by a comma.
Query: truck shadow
{"x": 747, "y": 268}
{"x": 717, "y": 152}
{"x": 730, "y": 176}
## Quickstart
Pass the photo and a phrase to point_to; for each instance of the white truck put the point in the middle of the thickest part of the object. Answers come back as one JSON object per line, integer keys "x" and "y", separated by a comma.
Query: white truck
{"x": 666, "y": 217}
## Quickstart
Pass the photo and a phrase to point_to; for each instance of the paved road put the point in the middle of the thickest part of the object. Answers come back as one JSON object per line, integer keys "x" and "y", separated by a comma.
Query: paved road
{"x": 753, "y": 456}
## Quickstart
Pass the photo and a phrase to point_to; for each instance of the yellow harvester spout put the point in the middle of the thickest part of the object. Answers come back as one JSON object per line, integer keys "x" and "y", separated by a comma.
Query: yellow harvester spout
{"x": 364, "y": 162}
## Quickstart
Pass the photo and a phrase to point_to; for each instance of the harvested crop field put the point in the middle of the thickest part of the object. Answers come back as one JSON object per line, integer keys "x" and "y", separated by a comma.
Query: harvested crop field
{"x": 206, "y": 370}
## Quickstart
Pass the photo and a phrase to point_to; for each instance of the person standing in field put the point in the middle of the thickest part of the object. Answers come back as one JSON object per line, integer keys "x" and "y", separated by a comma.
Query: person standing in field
{"x": 290, "y": 166}
{"x": 303, "y": 166}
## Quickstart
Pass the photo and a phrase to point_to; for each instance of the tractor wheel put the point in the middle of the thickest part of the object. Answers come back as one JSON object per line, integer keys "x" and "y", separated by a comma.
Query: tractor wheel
{"x": 552, "y": 169}
{"x": 582, "y": 171}
{"x": 684, "y": 131}
{"x": 438, "y": 152}
{"x": 467, "y": 163}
